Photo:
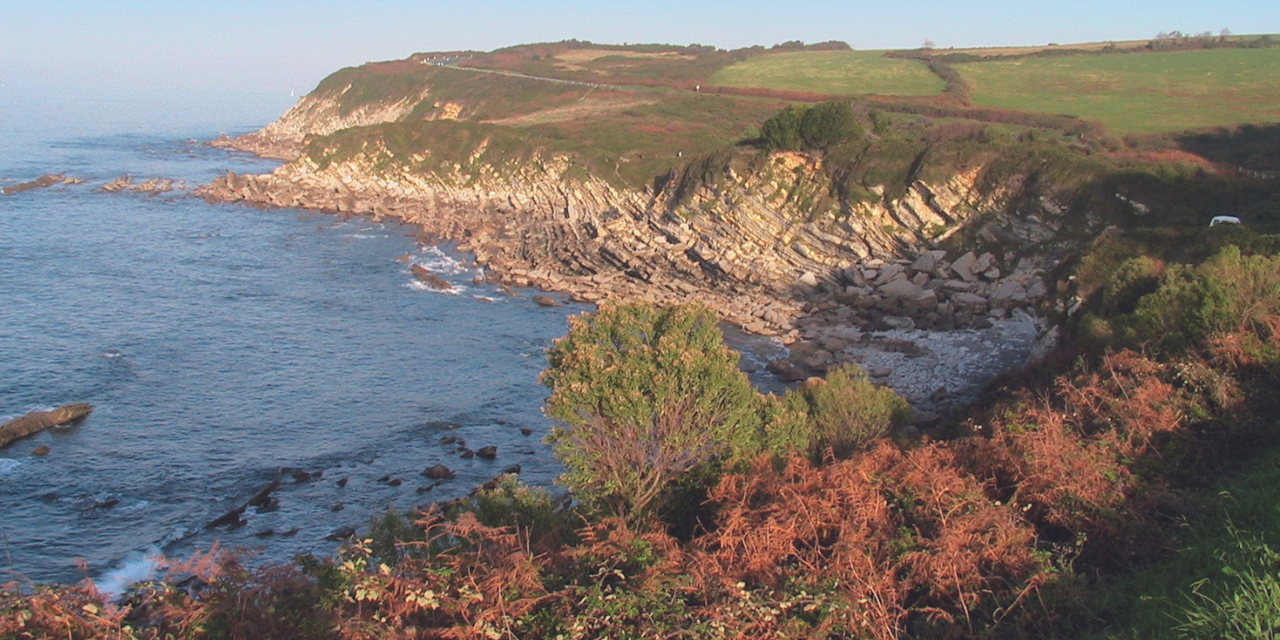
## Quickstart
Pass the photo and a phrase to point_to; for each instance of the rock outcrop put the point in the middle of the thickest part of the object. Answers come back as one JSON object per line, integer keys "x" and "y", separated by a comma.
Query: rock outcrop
{"x": 43, "y": 182}
{"x": 38, "y": 421}
{"x": 762, "y": 245}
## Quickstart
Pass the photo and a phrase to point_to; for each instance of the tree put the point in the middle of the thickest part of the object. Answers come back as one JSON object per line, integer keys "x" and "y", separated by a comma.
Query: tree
{"x": 645, "y": 395}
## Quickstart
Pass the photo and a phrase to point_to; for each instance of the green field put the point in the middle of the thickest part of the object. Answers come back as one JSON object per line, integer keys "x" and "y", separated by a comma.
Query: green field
{"x": 1141, "y": 92}
{"x": 832, "y": 73}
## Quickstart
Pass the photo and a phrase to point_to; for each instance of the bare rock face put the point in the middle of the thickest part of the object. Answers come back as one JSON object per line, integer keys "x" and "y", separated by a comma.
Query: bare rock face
{"x": 741, "y": 247}
{"x": 37, "y": 421}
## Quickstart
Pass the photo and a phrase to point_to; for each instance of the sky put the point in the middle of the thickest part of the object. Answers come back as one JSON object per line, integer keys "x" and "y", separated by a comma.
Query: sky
{"x": 289, "y": 46}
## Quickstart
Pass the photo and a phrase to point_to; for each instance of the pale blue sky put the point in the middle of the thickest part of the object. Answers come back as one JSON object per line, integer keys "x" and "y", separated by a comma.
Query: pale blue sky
{"x": 257, "y": 45}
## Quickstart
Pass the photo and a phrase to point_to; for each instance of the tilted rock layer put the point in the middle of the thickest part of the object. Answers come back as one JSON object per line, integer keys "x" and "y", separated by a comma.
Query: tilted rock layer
{"x": 761, "y": 241}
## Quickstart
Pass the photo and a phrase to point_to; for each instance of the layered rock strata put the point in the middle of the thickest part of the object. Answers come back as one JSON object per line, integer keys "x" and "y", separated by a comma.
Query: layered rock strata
{"x": 764, "y": 247}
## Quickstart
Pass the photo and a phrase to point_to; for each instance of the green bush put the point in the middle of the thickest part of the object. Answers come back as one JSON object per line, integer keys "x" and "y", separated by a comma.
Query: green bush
{"x": 1228, "y": 293}
{"x": 511, "y": 503}
{"x": 819, "y": 127}
{"x": 841, "y": 413}
{"x": 828, "y": 124}
{"x": 1135, "y": 278}
{"x": 646, "y": 395}
{"x": 782, "y": 131}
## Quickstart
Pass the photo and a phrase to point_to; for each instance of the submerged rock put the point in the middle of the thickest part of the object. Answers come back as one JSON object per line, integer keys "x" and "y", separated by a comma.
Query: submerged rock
{"x": 38, "y": 421}
{"x": 427, "y": 277}
{"x": 439, "y": 472}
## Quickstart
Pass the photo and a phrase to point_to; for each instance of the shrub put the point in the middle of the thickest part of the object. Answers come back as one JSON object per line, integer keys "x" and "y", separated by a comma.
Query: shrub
{"x": 827, "y": 124}
{"x": 841, "y": 413}
{"x": 1228, "y": 293}
{"x": 819, "y": 127}
{"x": 782, "y": 131}
{"x": 645, "y": 395}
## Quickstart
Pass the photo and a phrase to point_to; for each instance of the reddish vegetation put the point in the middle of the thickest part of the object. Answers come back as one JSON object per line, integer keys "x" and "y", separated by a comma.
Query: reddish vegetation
{"x": 940, "y": 539}
{"x": 1164, "y": 156}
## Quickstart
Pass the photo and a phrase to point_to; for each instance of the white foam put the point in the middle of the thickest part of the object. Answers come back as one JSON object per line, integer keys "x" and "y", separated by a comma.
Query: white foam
{"x": 418, "y": 286}
{"x": 140, "y": 505}
{"x": 136, "y": 568}
{"x": 8, "y": 466}
{"x": 112, "y": 355}
{"x": 438, "y": 261}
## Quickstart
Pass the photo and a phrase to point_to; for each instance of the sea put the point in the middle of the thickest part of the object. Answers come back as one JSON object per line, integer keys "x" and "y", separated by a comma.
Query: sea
{"x": 224, "y": 347}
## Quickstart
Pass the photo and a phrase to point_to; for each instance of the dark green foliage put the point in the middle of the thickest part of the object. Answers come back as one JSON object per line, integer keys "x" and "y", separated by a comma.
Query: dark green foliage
{"x": 827, "y": 124}
{"x": 1134, "y": 279}
{"x": 782, "y": 131}
{"x": 815, "y": 128}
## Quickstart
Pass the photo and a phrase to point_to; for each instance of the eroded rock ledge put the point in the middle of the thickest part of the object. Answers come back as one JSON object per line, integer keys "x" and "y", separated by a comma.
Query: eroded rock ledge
{"x": 751, "y": 246}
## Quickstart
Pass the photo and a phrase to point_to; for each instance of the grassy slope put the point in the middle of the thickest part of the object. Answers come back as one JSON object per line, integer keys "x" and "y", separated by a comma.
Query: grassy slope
{"x": 833, "y": 73}
{"x": 1138, "y": 93}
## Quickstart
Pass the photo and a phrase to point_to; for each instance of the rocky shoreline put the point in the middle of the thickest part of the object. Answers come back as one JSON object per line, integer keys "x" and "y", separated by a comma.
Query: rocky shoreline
{"x": 849, "y": 290}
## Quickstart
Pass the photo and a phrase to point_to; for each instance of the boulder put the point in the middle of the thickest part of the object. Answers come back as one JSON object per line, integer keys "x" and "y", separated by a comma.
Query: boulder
{"x": 42, "y": 182}
{"x": 983, "y": 263}
{"x": 890, "y": 273}
{"x": 966, "y": 299}
{"x": 341, "y": 534}
{"x": 963, "y": 267}
{"x": 926, "y": 263}
{"x": 924, "y": 300}
{"x": 901, "y": 289}
{"x": 547, "y": 301}
{"x": 439, "y": 472}
{"x": 1010, "y": 292}
{"x": 899, "y": 322}
{"x": 488, "y": 453}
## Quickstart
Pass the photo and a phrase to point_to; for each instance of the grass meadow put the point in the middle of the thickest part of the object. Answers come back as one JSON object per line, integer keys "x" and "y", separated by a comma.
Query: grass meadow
{"x": 1138, "y": 93}
{"x": 832, "y": 73}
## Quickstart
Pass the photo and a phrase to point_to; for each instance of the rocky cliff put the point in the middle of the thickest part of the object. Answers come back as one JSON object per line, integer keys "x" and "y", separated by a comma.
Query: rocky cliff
{"x": 758, "y": 237}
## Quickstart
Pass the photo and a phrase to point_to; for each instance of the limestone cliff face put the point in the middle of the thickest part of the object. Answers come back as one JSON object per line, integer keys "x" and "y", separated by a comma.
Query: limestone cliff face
{"x": 319, "y": 114}
{"x": 762, "y": 243}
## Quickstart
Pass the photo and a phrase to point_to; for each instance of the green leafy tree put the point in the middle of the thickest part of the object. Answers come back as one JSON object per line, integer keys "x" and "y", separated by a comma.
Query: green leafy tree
{"x": 646, "y": 395}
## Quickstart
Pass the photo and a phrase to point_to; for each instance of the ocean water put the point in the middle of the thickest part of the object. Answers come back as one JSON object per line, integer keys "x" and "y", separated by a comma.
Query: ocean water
{"x": 222, "y": 344}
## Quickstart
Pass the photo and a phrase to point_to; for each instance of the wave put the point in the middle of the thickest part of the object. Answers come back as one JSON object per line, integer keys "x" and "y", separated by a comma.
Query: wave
{"x": 418, "y": 286}
{"x": 139, "y": 566}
